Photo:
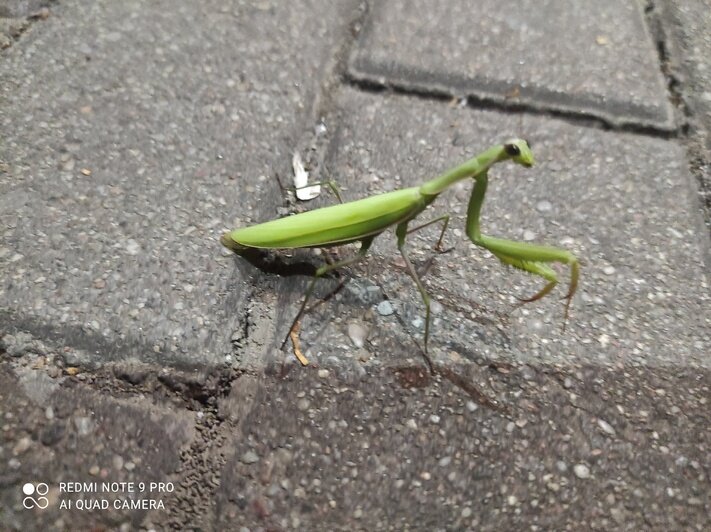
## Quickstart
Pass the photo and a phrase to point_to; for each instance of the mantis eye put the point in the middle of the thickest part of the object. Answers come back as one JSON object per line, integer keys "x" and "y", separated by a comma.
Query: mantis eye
{"x": 512, "y": 150}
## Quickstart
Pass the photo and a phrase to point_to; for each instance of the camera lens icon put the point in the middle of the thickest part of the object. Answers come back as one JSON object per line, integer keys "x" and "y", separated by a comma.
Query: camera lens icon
{"x": 39, "y": 490}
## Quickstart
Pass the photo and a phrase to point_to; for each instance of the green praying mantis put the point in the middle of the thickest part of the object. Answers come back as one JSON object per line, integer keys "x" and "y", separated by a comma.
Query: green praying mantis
{"x": 363, "y": 220}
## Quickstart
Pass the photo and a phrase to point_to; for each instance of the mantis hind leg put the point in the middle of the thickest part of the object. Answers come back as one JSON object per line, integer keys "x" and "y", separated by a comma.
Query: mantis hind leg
{"x": 533, "y": 259}
{"x": 402, "y": 232}
{"x": 320, "y": 272}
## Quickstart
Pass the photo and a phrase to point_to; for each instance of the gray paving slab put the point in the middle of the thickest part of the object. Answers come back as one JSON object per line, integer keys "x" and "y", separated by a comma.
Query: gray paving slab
{"x": 689, "y": 50}
{"x": 132, "y": 134}
{"x": 18, "y": 9}
{"x": 579, "y": 57}
{"x": 623, "y": 203}
{"x": 599, "y": 449}
{"x": 70, "y": 433}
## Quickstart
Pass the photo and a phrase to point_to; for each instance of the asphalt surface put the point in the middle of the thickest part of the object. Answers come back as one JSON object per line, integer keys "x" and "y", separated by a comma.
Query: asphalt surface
{"x": 141, "y": 381}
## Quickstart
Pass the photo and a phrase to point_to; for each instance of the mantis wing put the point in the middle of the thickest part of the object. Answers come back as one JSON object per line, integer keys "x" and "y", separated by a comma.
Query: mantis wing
{"x": 338, "y": 224}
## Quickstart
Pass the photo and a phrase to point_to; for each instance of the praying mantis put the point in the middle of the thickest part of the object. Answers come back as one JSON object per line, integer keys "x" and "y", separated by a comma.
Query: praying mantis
{"x": 363, "y": 220}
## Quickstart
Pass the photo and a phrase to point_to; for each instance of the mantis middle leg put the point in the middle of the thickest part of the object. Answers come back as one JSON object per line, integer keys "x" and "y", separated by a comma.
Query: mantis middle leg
{"x": 531, "y": 258}
{"x": 438, "y": 245}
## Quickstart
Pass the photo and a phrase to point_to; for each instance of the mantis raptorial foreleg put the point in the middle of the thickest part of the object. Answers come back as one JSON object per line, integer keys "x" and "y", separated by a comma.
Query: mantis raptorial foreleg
{"x": 323, "y": 270}
{"x": 531, "y": 258}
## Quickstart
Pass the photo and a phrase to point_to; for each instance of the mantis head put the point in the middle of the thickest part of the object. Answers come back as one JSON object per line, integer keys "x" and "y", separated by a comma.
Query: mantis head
{"x": 520, "y": 152}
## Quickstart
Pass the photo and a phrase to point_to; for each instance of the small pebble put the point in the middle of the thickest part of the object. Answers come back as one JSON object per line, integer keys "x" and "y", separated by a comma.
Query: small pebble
{"x": 411, "y": 424}
{"x": 118, "y": 462}
{"x": 434, "y": 418}
{"x": 84, "y": 425}
{"x": 606, "y": 427}
{"x": 132, "y": 247}
{"x": 608, "y": 270}
{"x": 22, "y": 445}
{"x": 544, "y": 206}
{"x": 529, "y": 235}
{"x": 618, "y": 515}
{"x": 250, "y": 457}
{"x": 604, "y": 340}
{"x": 581, "y": 471}
{"x": 472, "y": 406}
{"x": 385, "y": 308}
{"x": 467, "y": 512}
{"x": 357, "y": 334}
{"x": 528, "y": 373}
{"x": 445, "y": 461}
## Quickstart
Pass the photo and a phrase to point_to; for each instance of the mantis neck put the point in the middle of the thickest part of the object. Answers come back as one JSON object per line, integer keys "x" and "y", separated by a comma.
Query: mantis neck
{"x": 475, "y": 167}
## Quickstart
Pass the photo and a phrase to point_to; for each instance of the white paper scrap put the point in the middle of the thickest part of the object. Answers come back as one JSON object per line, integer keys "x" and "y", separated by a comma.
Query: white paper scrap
{"x": 301, "y": 180}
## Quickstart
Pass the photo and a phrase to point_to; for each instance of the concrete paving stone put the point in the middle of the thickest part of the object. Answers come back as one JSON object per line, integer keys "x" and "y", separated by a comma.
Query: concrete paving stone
{"x": 623, "y": 203}
{"x": 16, "y": 16}
{"x": 23, "y": 8}
{"x": 133, "y": 134}
{"x": 689, "y": 48}
{"x": 580, "y": 57}
{"x": 688, "y": 21}
{"x": 58, "y": 430}
{"x": 371, "y": 455}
